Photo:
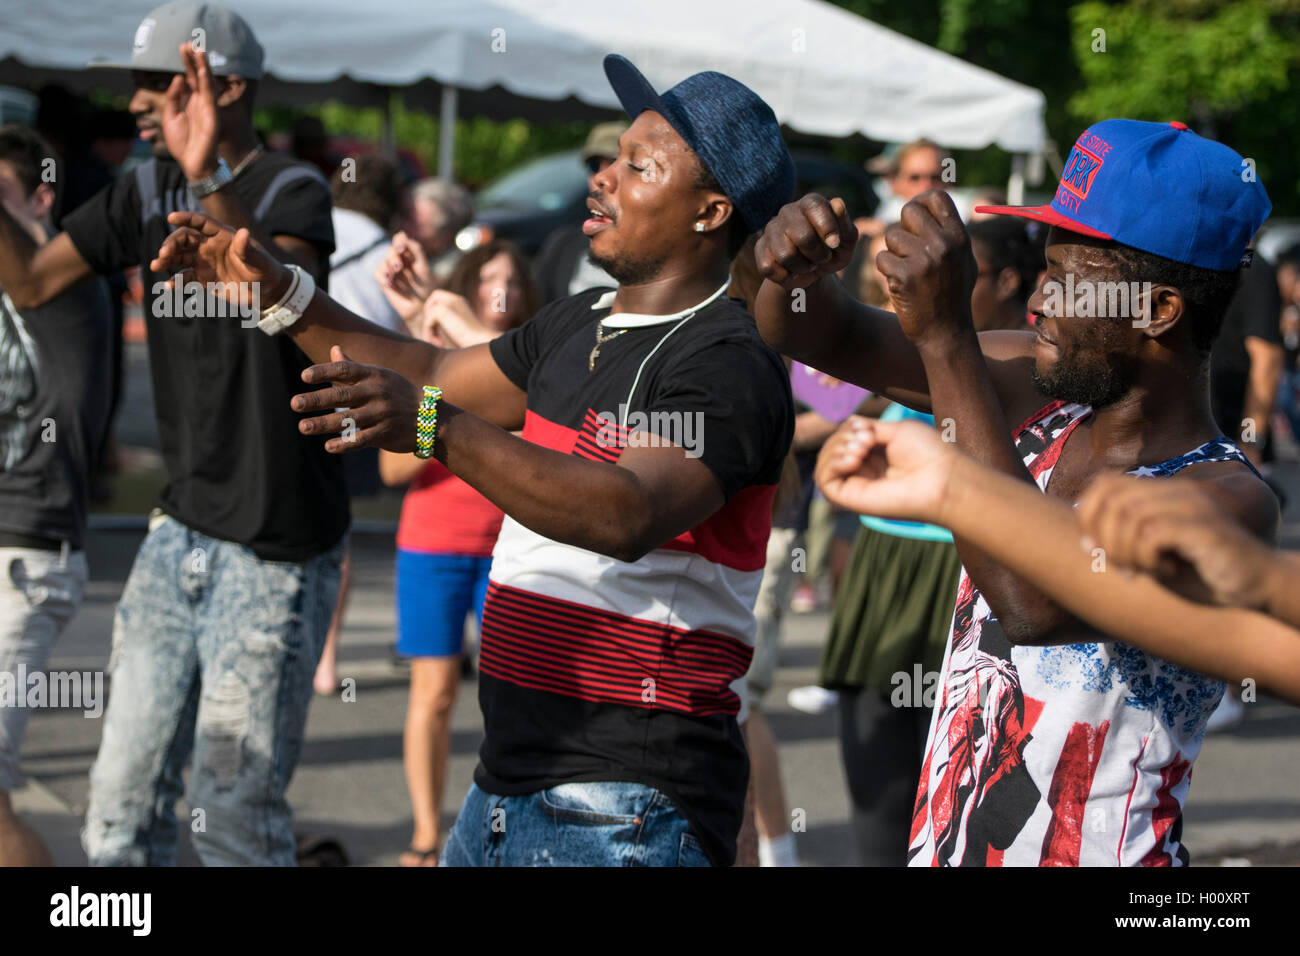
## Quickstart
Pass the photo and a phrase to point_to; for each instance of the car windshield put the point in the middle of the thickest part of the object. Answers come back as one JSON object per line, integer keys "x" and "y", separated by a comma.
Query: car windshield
{"x": 551, "y": 182}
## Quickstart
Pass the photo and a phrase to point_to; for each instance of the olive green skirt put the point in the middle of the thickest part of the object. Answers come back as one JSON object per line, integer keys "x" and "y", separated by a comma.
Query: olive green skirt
{"x": 893, "y": 610}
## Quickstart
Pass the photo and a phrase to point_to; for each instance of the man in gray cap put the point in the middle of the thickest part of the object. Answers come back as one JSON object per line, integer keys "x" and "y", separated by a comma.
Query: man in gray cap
{"x": 225, "y": 612}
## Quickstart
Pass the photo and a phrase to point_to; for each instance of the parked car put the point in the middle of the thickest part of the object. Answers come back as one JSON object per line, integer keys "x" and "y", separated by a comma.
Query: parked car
{"x": 530, "y": 202}
{"x": 1277, "y": 236}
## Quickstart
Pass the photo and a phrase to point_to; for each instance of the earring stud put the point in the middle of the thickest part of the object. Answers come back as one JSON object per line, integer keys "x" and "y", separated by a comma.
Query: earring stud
{"x": 699, "y": 227}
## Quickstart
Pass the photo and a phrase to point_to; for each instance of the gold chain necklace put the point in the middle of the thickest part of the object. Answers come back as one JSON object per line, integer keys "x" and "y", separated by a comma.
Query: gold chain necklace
{"x": 600, "y": 340}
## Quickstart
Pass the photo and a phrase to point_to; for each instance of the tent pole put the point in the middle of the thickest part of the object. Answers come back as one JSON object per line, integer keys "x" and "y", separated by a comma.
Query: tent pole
{"x": 390, "y": 131}
{"x": 447, "y": 133}
{"x": 1016, "y": 184}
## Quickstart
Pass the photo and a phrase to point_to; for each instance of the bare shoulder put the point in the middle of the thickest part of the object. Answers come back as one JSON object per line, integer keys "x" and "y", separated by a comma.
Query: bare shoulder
{"x": 1239, "y": 491}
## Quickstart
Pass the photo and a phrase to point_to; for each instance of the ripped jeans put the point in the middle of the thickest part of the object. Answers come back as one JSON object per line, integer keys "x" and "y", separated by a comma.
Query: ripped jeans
{"x": 213, "y": 654}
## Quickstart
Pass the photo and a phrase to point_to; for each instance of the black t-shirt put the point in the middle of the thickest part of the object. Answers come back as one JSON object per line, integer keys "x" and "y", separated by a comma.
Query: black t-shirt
{"x": 54, "y": 400}
{"x": 594, "y": 669}
{"x": 1255, "y": 311}
{"x": 556, "y": 262}
{"x": 238, "y": 469}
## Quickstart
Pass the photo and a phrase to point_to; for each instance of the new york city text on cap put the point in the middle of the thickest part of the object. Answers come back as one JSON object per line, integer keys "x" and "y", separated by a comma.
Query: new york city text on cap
{"x": 224, "y": 35}
{"x": 1157, "y": 187}
{"x": 727, "y": 125}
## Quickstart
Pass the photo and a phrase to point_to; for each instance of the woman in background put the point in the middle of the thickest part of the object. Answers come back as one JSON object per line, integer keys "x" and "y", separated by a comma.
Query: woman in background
{"x": 447, "y": 529}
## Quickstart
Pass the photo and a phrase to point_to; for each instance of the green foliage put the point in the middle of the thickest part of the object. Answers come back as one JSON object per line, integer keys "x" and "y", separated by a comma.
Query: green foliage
{"x": 1204, "y": 62}
{"x": 484, "y": 148}
{"x": 1024, "y": 40}
{"x": 1230, "y": 68}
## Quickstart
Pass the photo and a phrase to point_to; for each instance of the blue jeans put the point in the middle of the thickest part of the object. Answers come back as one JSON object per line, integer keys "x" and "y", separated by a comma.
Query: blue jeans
{"x": 574, "y": 824}
{"x": 213, "y": 653}
{"x": 39, "y": 593}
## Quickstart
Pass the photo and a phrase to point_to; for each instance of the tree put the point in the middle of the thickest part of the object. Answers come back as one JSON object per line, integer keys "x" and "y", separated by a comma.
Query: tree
{"x": 1228, "y": 69}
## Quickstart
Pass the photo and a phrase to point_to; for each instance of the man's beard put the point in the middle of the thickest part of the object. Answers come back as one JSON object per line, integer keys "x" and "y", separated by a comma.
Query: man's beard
{"x": 627, "y": 271}
{"x": 1096, "y": 380}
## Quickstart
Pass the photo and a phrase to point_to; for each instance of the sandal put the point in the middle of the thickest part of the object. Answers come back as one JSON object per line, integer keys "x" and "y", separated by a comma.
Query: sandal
{"x": 422, "y": 855}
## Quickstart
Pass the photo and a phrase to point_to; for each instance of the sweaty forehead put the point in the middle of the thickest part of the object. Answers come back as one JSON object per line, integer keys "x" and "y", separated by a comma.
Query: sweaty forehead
{"x": 1075, "y": 250}
{"x": 653, "y": 133}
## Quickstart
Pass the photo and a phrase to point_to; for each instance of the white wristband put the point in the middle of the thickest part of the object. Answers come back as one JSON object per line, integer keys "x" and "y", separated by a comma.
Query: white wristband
{"x": 289, "y": 309}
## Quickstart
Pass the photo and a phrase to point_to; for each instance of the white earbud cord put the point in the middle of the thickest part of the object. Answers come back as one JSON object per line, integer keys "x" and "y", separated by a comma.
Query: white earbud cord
{"x": 628, "y": 404}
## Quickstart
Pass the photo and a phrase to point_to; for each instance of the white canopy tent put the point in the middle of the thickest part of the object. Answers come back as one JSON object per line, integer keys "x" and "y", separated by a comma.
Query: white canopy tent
{"x": 823, "y": 70}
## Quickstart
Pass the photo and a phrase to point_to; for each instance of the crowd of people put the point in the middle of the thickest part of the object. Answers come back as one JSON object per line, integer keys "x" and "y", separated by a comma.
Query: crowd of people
{"x": 628, "y": 458}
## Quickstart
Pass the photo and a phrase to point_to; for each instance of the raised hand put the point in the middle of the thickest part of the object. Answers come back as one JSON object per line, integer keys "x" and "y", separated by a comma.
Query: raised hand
{"x": 1177, "y": 532}
{"x": 379, "y": 406}
{"x": 405, "y": 277}
{"x": 929, "y": 268}
{"x": 887, "y": 469}
{"x": 449, "y": 321}
{"x": 205, "y": 250}
{"x": 190, "y": 123}
{"x": 808, "y": 239}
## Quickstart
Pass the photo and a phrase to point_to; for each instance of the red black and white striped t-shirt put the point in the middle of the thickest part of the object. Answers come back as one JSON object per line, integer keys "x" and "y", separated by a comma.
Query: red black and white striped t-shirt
{"x": 598, "y": 669}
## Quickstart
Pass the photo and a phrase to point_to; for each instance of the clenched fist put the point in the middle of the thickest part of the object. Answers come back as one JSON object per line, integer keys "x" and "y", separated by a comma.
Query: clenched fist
{"x": 808, "y": 239}
{"x": 929, "y": 268}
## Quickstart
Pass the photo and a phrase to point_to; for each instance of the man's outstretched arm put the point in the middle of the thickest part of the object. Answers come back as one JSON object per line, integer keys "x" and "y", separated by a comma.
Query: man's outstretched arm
{"x": 1171, "y": 532}
{"x": 928, "y": 356}
{"x": 34, "y": 274}
{"x": 621, "y": 510}
{"x": 931, "y": 272}
{"x": 804, "y": 311}
{"x": 213, "y": 252}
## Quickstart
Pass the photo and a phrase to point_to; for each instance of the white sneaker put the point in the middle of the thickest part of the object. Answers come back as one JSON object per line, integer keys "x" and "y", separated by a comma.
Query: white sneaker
{"x": 804, "y": 600}
{"x": 1230, "y": 712}
{"x": 812, "y": 699}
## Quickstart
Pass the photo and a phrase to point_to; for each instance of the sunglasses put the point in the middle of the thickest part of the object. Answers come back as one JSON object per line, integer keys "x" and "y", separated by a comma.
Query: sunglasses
{"x": 152, "y": 81}
{"x": 156, "y": 82}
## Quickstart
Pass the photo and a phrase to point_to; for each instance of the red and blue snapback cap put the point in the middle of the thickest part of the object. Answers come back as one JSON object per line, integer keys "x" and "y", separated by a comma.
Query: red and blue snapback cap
{"x": 1157, "y": 187}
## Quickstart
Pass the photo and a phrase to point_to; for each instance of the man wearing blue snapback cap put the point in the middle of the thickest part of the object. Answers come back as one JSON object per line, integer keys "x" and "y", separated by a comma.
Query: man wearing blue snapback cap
{"x": 1051, "y": 744}
{"x": 619, "y": 619}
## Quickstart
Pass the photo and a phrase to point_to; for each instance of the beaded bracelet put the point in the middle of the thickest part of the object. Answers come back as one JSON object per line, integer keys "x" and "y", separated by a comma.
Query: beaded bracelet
{"x": 426, "y": 421}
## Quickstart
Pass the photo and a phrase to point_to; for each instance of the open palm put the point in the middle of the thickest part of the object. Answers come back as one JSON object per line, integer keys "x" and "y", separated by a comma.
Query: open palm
{"x": 190, "y": 124}
{"x": 205, "y": 250}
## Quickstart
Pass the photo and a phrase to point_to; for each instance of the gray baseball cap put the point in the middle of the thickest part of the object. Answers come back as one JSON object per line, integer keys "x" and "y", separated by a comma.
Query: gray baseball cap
{"x": 220, "y": 32}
